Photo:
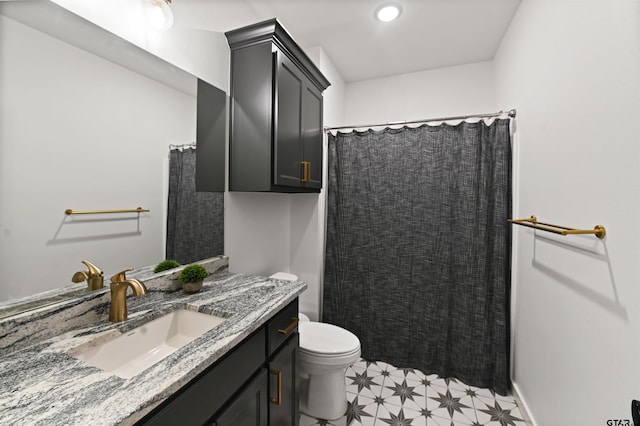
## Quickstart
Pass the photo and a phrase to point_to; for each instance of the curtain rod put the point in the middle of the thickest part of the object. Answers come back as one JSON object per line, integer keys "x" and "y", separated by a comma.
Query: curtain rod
{"x": 511, "y": 114}
{"x": 182, "y": 146}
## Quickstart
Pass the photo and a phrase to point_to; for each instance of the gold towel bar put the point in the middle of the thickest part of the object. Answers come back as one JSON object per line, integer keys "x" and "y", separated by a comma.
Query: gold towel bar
{"x": 137, "y": 210}
{"x": 532, "y": 222}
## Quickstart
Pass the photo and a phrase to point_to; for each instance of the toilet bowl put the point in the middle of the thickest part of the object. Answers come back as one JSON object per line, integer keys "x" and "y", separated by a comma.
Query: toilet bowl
{"x": 325, "y": 352}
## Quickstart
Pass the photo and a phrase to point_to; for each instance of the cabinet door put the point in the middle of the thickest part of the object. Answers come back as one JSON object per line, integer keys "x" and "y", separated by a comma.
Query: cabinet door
{"x": 250, "y": 407}
{"x": 284, "y": 385}
{"x": 287, "y": 149}
{"x": 312, "y": 135}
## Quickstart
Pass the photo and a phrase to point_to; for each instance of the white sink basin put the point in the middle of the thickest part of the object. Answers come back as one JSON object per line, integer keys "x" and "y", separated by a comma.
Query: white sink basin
{"x": 128, "y": 354}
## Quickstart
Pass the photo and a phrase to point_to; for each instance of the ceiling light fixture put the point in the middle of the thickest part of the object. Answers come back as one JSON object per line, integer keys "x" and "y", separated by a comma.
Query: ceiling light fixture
{"x": 387, "y": 12}
{"x": 159, "y": 14}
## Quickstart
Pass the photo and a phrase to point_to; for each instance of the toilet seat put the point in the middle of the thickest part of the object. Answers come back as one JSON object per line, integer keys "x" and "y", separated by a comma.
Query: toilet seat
{"x": 326, "y": 340}
{"x": 320, "y": 356}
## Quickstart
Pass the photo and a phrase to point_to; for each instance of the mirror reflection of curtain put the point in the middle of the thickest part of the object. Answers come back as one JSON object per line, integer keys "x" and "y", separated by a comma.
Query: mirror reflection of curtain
{"x": 419, "y": 250}
{"x": 195, "y": 220}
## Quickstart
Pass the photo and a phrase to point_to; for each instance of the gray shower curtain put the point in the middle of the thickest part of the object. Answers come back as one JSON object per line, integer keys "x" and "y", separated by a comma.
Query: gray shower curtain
{"x": 418, "y": 247}
{"x": 195, "y": 220}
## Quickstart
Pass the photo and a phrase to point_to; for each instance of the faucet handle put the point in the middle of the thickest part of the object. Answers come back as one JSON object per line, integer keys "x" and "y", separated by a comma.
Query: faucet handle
{"x": 93, "y": 269}
{"x": 120, "y": 276}
{"x": 93, "y": 276}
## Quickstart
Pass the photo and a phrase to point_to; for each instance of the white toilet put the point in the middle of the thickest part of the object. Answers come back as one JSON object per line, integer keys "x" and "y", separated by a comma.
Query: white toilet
{"x": 325, "y": 352}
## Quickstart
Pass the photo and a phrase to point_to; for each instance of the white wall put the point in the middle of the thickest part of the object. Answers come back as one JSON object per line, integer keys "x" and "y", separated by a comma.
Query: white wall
{"x": 572, "y": 69}
{"x": 257, "y": 232}
{"x": 460, "y": 90}
{"x": 83, "y": 133}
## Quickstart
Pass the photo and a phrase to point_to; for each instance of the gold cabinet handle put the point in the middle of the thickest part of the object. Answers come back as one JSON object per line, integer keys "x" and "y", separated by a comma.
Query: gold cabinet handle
{"x": 278, "y": 399}
{"x": 291, "y": 326}
{"x": 306, "y": 171}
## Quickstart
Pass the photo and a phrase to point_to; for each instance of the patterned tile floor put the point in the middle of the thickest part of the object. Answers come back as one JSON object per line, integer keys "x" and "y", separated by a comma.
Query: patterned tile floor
{"x": 380, "y": 394}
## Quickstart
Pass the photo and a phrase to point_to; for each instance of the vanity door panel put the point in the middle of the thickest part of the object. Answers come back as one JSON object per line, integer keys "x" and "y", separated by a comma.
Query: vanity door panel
{"x": 250, "y": 407}
{"x": 284, "y": 407}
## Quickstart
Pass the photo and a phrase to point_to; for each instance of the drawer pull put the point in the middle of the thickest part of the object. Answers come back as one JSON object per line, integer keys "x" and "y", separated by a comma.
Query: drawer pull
{"x": 278, "y": 399}
{"x": 291, "y": 326}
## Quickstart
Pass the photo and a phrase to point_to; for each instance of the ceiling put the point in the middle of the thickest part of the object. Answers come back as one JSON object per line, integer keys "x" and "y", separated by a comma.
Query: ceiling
{"x": 428, "y": 34}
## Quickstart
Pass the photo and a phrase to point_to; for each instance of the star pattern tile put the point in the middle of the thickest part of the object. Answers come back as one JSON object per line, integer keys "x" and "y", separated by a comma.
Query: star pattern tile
{"x": 500, "y": 415}
{"x": 397, "y": 420}
{"x": 380, "y": 394}
{"x": 450, "y": 403}
{"x": 403, "y": 391}
{"x": 362, "y": 381}
{"x": 355, "y": 411}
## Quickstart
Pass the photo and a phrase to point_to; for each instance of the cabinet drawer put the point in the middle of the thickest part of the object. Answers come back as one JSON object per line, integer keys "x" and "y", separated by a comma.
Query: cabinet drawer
{"x": 200, "y": 399}
{"x": 282, "y": 326}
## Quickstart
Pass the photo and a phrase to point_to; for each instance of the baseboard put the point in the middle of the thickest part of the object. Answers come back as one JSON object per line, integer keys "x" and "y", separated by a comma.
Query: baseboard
{"x": 524, "y": 408}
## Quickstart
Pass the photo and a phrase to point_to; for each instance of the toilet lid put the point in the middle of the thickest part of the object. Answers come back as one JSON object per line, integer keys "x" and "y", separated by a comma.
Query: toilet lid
{"x": 320, "y": 338}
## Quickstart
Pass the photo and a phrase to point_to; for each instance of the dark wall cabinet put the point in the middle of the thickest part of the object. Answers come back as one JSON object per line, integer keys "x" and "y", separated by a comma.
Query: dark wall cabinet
{"x": 256, "y": 384}
{"x": 275, "y": 141}
{"x": 211, "y": 119}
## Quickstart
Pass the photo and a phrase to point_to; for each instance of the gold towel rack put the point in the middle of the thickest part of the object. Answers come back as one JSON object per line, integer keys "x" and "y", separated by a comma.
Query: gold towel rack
{"x": 532, "y": 222}
{"x": 137, "y": 210}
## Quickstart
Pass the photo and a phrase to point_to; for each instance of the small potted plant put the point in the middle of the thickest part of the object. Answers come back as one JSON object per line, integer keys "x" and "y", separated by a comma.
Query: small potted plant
{"x": 165, "y": 265}
{"x": 191, "y": 278}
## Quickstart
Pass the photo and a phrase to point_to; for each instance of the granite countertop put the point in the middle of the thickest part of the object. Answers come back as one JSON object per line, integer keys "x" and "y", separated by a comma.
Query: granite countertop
{"x": 40, "y": 383}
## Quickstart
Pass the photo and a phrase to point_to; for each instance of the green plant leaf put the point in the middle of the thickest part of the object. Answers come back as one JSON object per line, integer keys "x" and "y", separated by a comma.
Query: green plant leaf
{"x": 193, "y": 274}
{"x": 165, "y": 265}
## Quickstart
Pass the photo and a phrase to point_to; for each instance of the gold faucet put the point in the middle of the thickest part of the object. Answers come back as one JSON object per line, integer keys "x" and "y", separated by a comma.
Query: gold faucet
{"x": 93, "y": 275}
{"x": 119, "y": 284}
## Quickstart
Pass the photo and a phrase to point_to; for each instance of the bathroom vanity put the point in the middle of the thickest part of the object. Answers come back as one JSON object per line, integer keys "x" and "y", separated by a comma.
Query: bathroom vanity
{"x": 242, "y": 371}
{"x": 254, "y": 384}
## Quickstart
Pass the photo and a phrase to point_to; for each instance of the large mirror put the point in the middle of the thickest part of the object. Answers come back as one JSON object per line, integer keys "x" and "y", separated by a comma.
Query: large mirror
{"x": 86, "y": 123}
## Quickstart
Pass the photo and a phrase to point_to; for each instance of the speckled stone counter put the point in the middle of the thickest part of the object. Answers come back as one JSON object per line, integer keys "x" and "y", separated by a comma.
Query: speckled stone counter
{"x": 40, "y": 383}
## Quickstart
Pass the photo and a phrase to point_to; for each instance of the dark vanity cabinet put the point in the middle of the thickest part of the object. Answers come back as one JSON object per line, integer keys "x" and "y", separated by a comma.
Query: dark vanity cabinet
{"x": 271, "y": 400}
{"x": 282, "y": 349}
{"x": 275, "y": 140}
{"x": 255, "y": 384}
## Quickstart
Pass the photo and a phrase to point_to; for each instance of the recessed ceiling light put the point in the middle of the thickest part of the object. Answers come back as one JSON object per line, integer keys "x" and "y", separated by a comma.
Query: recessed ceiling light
{"x": 387, "y": 12}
